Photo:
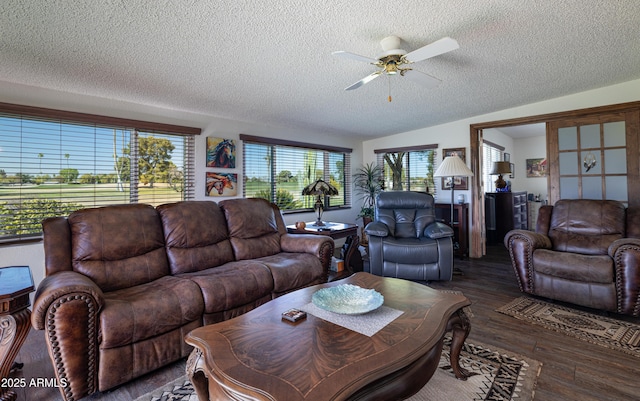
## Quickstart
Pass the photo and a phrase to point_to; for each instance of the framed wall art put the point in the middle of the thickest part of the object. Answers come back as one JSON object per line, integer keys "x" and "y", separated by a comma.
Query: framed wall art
{"x": 222, "y": 184}
{"x": 460, "y": 182}
{"x": 537, "y": 167}
{"x": 221, "y": 153}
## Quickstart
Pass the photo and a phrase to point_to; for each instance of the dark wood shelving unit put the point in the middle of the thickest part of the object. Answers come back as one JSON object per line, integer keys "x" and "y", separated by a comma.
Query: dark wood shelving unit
{"x": 460, "y": 225}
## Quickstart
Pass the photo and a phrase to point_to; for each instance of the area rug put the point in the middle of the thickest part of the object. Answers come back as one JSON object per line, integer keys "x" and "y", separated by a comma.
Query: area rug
{"x": 601, "y": 330}
{"x": 498, "y": 375}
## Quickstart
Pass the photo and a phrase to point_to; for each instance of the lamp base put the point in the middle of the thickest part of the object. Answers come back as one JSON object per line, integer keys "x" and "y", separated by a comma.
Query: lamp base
{"x": 319, "y": 208}
{"x": 500, "y": 183}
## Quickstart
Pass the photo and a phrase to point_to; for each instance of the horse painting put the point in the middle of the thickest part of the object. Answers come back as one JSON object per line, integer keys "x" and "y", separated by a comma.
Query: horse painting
{"x": 221, "y": 153}
{"x": 219, "y": 184}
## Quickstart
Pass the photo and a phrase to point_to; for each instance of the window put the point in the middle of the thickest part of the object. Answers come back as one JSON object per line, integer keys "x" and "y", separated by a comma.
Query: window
{"x": 409, "y": 169}
{"x": 278, "y": 170}
{"x": 54, "y": 162}
{"x": 491, "y": 153}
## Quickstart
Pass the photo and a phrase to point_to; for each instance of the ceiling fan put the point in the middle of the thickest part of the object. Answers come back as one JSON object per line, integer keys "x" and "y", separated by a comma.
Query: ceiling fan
{"x": 394, "y": 60}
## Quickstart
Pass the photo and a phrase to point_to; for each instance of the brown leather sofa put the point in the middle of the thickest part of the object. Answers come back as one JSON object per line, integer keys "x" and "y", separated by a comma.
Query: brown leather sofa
{"x": 124, "y": 284}
{"x": 585, "y": 252}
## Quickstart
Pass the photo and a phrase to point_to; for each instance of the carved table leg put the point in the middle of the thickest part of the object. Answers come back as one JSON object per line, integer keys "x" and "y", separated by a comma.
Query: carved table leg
{"x": 13, "y": 332}
{"x": 460, "y": 327}
{"x": 197, "y": 374}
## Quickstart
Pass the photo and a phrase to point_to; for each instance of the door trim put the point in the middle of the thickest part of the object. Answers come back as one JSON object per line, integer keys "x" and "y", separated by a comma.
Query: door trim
{"x": 478, "y": 245}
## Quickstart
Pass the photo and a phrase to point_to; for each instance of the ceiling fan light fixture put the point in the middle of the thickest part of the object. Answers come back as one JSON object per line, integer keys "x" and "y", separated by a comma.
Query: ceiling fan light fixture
{"x": 393, "y": 60}
{"x": 391, "y": 68}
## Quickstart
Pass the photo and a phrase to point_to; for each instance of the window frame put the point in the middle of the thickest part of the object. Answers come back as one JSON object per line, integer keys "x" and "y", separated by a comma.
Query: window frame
{"x": 274, "y": 145}
{"x": 488, "y": 159}
{"x": 80, "y": 124}
{"x": 406, "y": 182}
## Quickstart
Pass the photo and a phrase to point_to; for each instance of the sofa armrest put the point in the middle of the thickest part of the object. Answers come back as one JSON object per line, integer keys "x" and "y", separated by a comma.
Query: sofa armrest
{"x": 66, "y": 306}
{"x": 438, "y": 230}
{"x": 377, "y": 229}
{"x": 322, "y": 246}
{"x": 59, "y": 286}
{"x": 625, "y": 253}
{"x": 521, "y": 245}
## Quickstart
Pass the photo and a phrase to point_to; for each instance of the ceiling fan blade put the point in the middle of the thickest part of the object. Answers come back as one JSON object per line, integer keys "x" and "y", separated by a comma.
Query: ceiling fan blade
{"x": 436, "y": 48}
{"x": 354, "y": 56}
{"x": 364, "y": 80}
{"x": 422, "y": 79}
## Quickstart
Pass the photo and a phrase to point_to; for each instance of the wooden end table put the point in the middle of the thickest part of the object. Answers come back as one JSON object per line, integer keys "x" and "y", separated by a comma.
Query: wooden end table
{"x": 351, "y": 256}
{"x": 16, "y": 284}
{"x": 258, "y": 356}
{"x": 332, "y": 229}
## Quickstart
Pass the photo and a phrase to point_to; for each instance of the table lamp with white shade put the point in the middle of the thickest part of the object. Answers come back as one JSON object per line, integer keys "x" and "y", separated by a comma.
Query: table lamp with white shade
{"x": 453, "y": 166}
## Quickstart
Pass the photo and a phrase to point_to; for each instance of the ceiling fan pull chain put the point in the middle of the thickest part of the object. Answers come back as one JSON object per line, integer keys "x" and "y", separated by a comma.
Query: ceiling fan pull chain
{"x": 389, "y": 80}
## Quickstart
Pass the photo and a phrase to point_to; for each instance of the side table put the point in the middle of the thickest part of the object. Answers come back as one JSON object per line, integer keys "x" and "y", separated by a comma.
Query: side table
{"x": 16, "y": 283}
{"x": 460, "y": 225}
{"x": 333, "y": 230}
{"x": 349, "y": 251}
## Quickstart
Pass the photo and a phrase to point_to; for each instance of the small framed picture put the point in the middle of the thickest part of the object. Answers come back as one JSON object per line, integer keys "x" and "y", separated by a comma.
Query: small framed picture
{"x": 513, "y": 171}
{"x": 537, "y": 167}
{"x": 459, "y": 182}
{"x": 506, "y": 157}
{"x": 221, "y": 153}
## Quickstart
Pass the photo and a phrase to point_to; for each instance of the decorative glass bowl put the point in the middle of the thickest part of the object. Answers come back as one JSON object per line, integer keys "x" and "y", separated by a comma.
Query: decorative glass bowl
{"x": 347, "y": 299}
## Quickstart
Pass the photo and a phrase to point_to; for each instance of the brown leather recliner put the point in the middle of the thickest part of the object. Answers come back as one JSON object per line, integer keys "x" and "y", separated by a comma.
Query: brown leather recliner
{"x": 585, "y": 252}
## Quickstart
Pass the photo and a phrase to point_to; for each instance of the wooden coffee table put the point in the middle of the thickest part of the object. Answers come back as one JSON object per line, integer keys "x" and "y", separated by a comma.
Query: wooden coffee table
{"x": 258, "y": 356}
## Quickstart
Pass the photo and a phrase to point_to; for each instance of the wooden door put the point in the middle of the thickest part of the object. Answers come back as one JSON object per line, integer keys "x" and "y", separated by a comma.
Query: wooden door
{"x": 594, "y": 157}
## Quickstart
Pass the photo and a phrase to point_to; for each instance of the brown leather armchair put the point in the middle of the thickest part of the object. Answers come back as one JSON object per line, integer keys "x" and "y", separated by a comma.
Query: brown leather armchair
{"x": 585, "y": 252}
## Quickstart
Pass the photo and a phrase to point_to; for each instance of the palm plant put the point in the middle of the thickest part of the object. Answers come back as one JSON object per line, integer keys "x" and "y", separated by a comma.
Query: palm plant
{"x": 368, "y": 182}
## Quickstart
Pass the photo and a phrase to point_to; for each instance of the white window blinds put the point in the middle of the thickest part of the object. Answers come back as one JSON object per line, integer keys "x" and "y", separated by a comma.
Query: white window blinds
{"x": 52, "y": 166}
{"x": 278, "y": 170}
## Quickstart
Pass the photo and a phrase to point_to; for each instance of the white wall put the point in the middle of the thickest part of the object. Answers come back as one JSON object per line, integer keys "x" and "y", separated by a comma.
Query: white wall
{"x": 33, "y": 255}
{"x": 457, "y": 133}
{"x": 521, "y": 149}
{"x": 499, "y": 138}
{"x": 534, "y": 147}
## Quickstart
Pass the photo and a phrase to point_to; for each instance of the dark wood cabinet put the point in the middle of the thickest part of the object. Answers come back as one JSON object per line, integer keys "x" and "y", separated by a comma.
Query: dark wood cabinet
{"x": 460, "y": 224}
{"x": 505, "y": 211}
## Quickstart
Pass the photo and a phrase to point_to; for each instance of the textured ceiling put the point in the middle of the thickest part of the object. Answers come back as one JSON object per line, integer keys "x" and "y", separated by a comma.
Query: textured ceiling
{"x": 270, "y": 61}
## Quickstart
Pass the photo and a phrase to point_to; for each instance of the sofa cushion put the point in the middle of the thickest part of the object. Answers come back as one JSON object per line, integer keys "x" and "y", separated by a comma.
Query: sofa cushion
{"x": 574, "y": 266}
{"x": 233, "y": 284}
{"x": 149, "y": 310}
{"x": 196, "y": 236}
{"x": 118, "y": 246}
{"x": 293, "y": 270}
{"x": 586, "y": 226}
{"x": 253, "y": 227}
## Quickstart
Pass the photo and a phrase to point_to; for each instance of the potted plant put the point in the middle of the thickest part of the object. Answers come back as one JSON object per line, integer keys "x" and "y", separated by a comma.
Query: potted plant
{"x": 368, "y": 181}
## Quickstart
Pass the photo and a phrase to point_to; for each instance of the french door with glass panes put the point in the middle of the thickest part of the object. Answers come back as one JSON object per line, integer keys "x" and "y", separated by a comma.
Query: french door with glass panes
{"x": 594, "y": 157}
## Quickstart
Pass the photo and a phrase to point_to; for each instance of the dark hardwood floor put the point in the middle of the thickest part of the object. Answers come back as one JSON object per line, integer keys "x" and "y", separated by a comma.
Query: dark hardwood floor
{"x": 572, "y": 369}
